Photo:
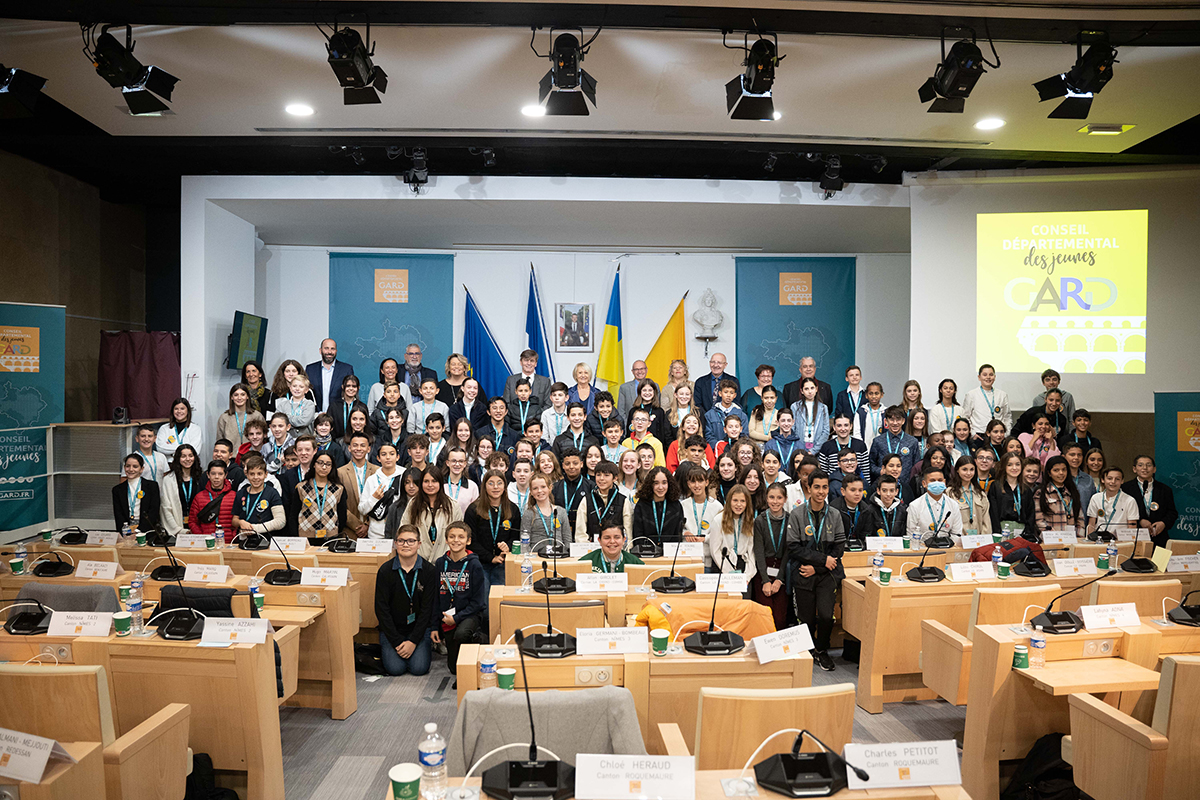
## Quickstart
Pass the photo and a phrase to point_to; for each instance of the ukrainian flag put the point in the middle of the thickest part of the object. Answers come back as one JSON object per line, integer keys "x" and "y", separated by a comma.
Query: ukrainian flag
{"x": 611, "y": 366}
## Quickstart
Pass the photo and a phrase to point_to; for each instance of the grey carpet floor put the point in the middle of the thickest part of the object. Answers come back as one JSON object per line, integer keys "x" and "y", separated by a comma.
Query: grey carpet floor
{"x": 325, "y": 759}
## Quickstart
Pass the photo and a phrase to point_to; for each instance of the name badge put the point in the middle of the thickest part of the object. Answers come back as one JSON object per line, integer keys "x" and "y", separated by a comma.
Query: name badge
{"x": 971, "y": 542}
{"x": 234, "y": 631}
{"x": 23, "y": 756}
{"x": 772, "y": 572}
{"x": 971, "y": 571}
{"x": 1059, "y": 537}
{"x": 602, "y": 582}
{"x": 1066, "y": 567}
{"x": 600, "y": 777}
{"x": 190, "y": 541}
{"x": 1117, "y": 615}
{"x": 372, "y": 545}
{"x": 77, "y": 623}
{"x": 1184, "y": 563}
{"x": 324, "y": 576}
{"x": 100, "y": 570}
{"x": 730, "y": 582}
{"x": 206, "y": 573}
{"x": 102, "y": 538}
{"x": 291, "y": 544}
{"x": 903, "y": 765}
{"x": 611, "y": 641}
{"x": 581, "y": 549}
{"x": 880, "y": 543}
{"x": 785, "y": 644}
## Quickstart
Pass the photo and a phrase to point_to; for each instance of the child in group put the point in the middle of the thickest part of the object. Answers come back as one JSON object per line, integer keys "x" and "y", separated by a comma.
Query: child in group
{"x": 570, "y": 491}
{"x": 1081, "y": 420}
{"x": 603, "y": 410}
{"x": 849, "y": 401}
{"x": 640, "y": 435}
{"x": 426, "y": 406}
{"x": 934, "y": 515}
{"x": 815, "y": 542}
{"x": 435, "y": 431}
{"x": 281, "y": 440}
{"x": 554, "y": 418}
{"x": 1112, "y": 508}
{"x": 462, "y": 594}
{"x": 612, "y": 555}
{"x": 377, "y": 425}
{"x": 733, "y": 532}
{"x": 893, "y": 441}
{"x": 885, "y": 514}
{"x": 524, "y": 407}
{"x": 155, "y": 463}
{"x": 299, "y": 409}
{"x": 714, "y": 420}
{"x": 257, "y": 432}
{"x": 732, "y": 431}
{"x": 602, "y": 506}
{"x": 868, "y": 421}
{"x": 770, "y": 555}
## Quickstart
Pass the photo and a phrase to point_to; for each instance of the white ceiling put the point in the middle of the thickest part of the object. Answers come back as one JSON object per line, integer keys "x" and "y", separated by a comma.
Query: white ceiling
{"x": 235, "y": 81}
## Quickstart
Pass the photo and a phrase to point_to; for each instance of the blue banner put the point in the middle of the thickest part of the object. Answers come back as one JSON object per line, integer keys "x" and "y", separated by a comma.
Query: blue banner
{"x": 32, "y": 364}
{"x": 488, "y": 365}
{"x": 789, "y": 308}
{"x": 379, "y": 303}
{"x": 1177, "y": 456}
{"x": 23, "y": 479}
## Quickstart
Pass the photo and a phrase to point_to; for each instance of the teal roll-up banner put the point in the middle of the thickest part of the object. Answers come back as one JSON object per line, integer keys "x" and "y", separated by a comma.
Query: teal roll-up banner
{"x": 789, "y": 308}
{"x": 1177, "y": 456}
{"x": 379, "y": 303}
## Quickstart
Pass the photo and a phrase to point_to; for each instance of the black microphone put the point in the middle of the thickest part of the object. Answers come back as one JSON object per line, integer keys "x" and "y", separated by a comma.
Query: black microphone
{"x": 548, "y": 644}
{"x": 797, "y": 774}
{"x": 169, "y": 572}
{"x": 553, "y": 585}
{"x": 339, "y": 544}
{"x": 1184, "y": 614}
{"x": 178, "y": 627}
{"x": 674, "y": 584}
{"x": 924, "y": 574}
{"x": 1064, "y": 621}
{"x": 1140, "y": 566}
{"x": 651, "y": 548}
{"x": 282, "y": 577}
{"x": 942, "y": 541}
{"x": 28, "y": 623}
{"x": 713, "y": 642}
{"x": 532, "y": 778}
{"x": 52, "y": 569}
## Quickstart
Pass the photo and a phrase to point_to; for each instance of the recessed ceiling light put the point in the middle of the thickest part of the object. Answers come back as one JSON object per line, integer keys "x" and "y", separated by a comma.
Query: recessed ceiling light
{"x": 989, "y": 124}
{"x": 777, "y": 116}
{"x": 299, "y": 109}
{"x": 533, "y": 110}
{"x": 1104, "y": 129}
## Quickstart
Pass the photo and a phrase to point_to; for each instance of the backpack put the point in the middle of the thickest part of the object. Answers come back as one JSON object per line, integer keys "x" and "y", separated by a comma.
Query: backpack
{"x": 1042, "y": 774}
{"x": 202, "y": 782}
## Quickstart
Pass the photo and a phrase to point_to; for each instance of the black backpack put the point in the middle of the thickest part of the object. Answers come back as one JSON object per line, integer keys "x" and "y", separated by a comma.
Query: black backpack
{"x": 202, "y": 782}
{"x": 1042, "y": 774}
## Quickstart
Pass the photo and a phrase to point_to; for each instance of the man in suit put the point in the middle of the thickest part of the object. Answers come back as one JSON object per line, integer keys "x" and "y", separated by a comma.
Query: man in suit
{"x": 808, "y": 369}
{"x": 290, "y": 478}
{"x": 327, "y": 375}
{"x": 1155, "y": 500}
{"x": 705, "y": 394}
{"x": 413, "y": 374}
{"x": 539, "y": 383}
{"x": 627, "y": 394}
{"x": 353, "y": 477}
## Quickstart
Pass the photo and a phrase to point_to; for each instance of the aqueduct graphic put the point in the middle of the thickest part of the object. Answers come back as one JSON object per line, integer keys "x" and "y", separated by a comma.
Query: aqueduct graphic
{"x": 1090, "y": 340}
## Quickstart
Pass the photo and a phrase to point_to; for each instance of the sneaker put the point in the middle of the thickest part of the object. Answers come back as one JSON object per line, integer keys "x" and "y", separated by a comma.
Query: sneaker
{"x": 824, "y": 661}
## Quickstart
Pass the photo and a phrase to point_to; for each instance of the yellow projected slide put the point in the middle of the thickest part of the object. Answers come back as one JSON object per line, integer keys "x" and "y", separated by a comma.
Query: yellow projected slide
{"x": 1062, "y": 289}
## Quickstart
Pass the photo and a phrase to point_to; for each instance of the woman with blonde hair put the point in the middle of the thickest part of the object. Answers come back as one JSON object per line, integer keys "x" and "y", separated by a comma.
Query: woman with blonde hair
{"x": 677, "y": 375}
{"x": 458, "y": 369}
{"x": 679, "y": 405}
{"x": 582, "y": 392}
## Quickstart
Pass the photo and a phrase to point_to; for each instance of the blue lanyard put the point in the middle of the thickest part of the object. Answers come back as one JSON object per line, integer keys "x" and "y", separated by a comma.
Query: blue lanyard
{"x": 610, "y": 456}
{"x": 499, "y": 436}
{"x": 545, "y": 525}
{"x": 787, "y": 461}
{"x": 875, "y": 417}
{"x": 558, "y": 423}
{"x": 888, "y": 436}
{"x": 887, "y": 526}
{"x": 321, "y": 500}
{"x": 737, "y": 534}
{"x": 345, "y": 416}
{"x": 1017, "y": 499}
{"x": 361, "y": 477}
{"x": 970, "y": 505}
{"x": 818, "y": 529}
{"x": 1108, "y": 517}
{"x": 523, "y": 408}
{"x": 611, "y": 497}
{"x": 946, "y": 414}
{"x": 522, "y": 499}
{"x": 570, "y": 498}
{"x": 855, "y": 402}
{"x": 776, "y": 540}
{"x": 767, "y": 423}
{"x": 250, "y": 505}
{"x": 457, "y": 579}
{"x": 415, "y": 573}
{"x": 188, "y": 490}
{"x": 941, "y": 507}
{"x": 132, "y": 499}
{"x": 658, "y": 524}
{"x": 457, "y": 487}
{"x": 1065, "y": 500}
{"x": 494, "y": 520}
{"x": 699, "y": 517}
{"x": 240, "y": 422}
{"x": 990, "y": 401}
{"x": 152, "y": 466}
{"x": 604, "y": 562}
{"x": 578, "y": 440}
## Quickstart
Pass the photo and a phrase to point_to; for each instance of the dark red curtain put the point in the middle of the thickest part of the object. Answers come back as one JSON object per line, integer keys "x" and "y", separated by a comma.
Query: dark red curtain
{"x": 140, "y": 371}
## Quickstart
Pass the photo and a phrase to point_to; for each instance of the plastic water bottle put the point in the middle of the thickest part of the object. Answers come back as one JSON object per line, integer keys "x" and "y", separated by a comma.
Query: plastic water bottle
{"x": 1037, "y": 648}
{"x": 876, "y": 564}
{"x": 487, "y": 669}
{"x": 915, "y": 542}
{"x": 219, "y": 535}
{"x": 256, "y": 595}
{"x": 432, "y": 756}
{"x": 126, "y": 531}
{"x": 1111, "y": 550}
{"x": 526, "y": 568}
{"x": 525, "y": 547}
{"x": 22, "y": 553}
{"x": 136, "y": 625}
{"x": 997, "y": 557}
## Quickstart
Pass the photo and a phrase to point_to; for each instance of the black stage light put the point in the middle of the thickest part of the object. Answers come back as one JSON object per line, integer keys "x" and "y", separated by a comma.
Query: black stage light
{"x": 1092, "y": 71}
{"x": 748, "y": 96}
{"x": 566, "y": 88}
{"x": 831, "y": 179}
{"x": 360, "y": 78}
{"x": 953, "y": 79}
{"x": 116, "y": 64}
{"x": 769, "y": 164}
{"x": 417, "y": 175}
{"x": 19, "y": 91}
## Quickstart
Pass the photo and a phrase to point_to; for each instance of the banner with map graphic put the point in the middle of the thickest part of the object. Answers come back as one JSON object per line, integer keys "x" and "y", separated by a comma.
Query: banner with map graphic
{"x": 1177, "y": 456}
{"x": 379, "y": 303}
{"x": 1062, "y": 289}
{"x": 789, "y": 308}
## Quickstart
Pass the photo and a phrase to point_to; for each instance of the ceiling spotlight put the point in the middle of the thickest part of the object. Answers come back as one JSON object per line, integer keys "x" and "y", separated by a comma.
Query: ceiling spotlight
{"x": 748, "y": 96}
{"x": 19, "y": 91}
{"x": 769, "y": 164}
{"x": 1092, "y": 71}
{"x": 878, "y": 163}
{"x": 418, "y": 175}
{"x": 533, "y": 110}
{"x": 116, "y": 64}
{"x": 299, "y": 109}
{"x": 361, "y": 80}
{"x": 989, "y": 124}
{"x": 955, "y": 77}
{"x": 489, "y": 155}
{"x": 831, "y": 179}
{"x": 566, "y": 88}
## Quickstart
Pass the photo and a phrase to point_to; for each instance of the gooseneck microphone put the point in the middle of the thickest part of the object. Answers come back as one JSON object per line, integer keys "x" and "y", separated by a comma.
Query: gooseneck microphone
{"x": 1183, "y": 614}
{"x": 798, "y": 774}
{"x": 941, "y": 539}
{"x": 1064, "y": 621}
{"x": 179, "y": 627}
{"x": 712, "y": 642}
{"x": 1134, "y": 564}
{"x": 674, "y": 584}
{"x": 28, "y": 623}
{"x": 924, "y": 574}
{"x": 548, "y": 644}
{"x": 282, "y": 577}
{"x": 555, "y": 584}
{"x": 169, "y": 572}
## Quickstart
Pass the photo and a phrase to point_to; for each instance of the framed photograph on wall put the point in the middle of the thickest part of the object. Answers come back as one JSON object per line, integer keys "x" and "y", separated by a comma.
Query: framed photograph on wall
{"x": 573, "y": 327}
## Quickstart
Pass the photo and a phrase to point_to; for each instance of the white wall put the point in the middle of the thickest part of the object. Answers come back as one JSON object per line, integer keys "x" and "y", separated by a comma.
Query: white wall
{"x": 943, "y": 275}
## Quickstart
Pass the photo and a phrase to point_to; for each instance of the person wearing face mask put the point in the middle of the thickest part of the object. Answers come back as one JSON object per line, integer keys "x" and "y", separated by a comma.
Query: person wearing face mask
{"x": 933, "y": 514}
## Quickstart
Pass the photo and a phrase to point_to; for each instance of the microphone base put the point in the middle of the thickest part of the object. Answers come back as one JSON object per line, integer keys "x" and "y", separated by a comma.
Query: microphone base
{"x": 1140, "y": 566}
{"x": 548, "y": 645}
{"x": 282, "y": 577}
{"x": 168, "y": 574}
{"x": 252, "y": 543}
{"x": 52, "y": 569}
{"x": 1058, "y": 622}
{"x": 541, "y": 779}
{"x": 548, "y": 550}
{"x": 940, "y": 543}
{"x": 1031, "y": 569}
{"x": 856, "y": 545}
{"x": 926, "y": 575}
{"x": 73, "y": 538}
{"x": 1185, "y": 615}
{"x": 802, "y": 775}
{"x": 342, "y": 546}
{"x": 714, "y": 643}
{"x": 181, "y": 628}
{"x": 646, "y": 550}
{"x": 27, "y": 623}
{"x": 556, "y": 584}
{"x": 160, "y": 540}
{"x": 1101, "y": 536}
{"x": 673, "y": 584}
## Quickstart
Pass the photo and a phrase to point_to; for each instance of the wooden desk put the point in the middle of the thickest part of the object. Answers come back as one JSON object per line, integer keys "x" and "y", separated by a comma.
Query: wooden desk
{"x": 232, "y": 692}
{"x": 23, "y": 648}
{"x": 614, "y": 605}
{"x": 326, "y": 671}
{"x": 63, "y": 780}
{"x": 363, "y": 569}
{"x": 10, "y": 585}
{"x": 855, "y": 559}
{"x": 512, "y": 567}
{"x": 152, "y": 591}
{"x": 1092, "y": 676}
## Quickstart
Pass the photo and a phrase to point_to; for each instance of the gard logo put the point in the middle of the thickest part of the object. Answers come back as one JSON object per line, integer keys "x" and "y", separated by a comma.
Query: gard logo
{"x": 391, "y": 286}
{"x": 1189, "y": 431}
{"x": 20, "y": 349}
{"x": 795, "y": 288}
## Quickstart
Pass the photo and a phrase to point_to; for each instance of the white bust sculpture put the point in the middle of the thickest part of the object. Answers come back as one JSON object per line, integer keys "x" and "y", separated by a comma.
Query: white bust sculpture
{"x": 707, "y": 316}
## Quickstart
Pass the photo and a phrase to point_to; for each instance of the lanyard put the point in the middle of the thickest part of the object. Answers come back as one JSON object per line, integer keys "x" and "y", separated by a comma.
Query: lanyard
{"x": 699, "y": 517}
{"x": 558, "y": 423}
{"x": 989, "y": 400}
{"x": 888, "y": 437}
{"x": 577, "y": 440}
{"x": 887, "y": 526}
{"x": 876, "y": 417}
{"x": 941, "y": 508}
{"x": 767, "y": 423}
{"x": 435, "y": 448}
{"x": 969, "y": 495}
{"x": 321, "y": 500}
{"x": 494, "y": 520}
{"x": 426, "y": 410}
{"x": 250, "y": 505}
{"x": 787, "y": 461}
{"x": 453, "y": 489}
{"x": 545, "y": 525}
{"x": 1064, "y": 499}
{"x": 240, "y": 421}
{"x": 855, "y": 402}
{"x": 179, "y": 433}
{"x": 737, "y": 534}
{"x": 658, "y": 524}
{"x": 499, "y": 435}
{"x": 522, "y": 498}
{"x": 292, "y": 403}
{"x": 188, "y": 490}
{"x": 152, "y": 466}
{"x": 457, "y": 579}
{"x": 819, "y": 528}
{"x": 523, "y": 408}
{"x": 946, "y": 414}
{"x": 346, "y": 415}
{"x": 776, "y": 540}
{"x": 604, "y": 562}
{"x": 132, "y": 498}
{"x": 1108, "y": 517}
{"x": 1016, "y": 498}
{"x": 415, "y": 573}
{"x": 611, "y": 497}
{"x": 570, "y": 497}
{"x": 610, "y": 455}
{"x": 361, "y": 476}
{"x": 857, "y": 511}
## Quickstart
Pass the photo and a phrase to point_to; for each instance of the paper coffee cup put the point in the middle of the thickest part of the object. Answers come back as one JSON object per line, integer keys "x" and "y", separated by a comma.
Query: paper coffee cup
{"x": 996, "y": 538}
{"x": 141, "y": 538}
{"x": 121, "y": 621}
{"x": 406, "y": 781}
{"x": 17, "y": 565}
{"x": 659, "y": 638}
{"x": 210, "y": 542}
{"x": 1002, "y": 570}
{"x": 515, "y": 547}
{"x": 259, "y": 600}
{"x": 905, "y": 543}
{"x": 506, "y": 678}
{"x": 1020, "y": 657}
{"x": 885, "y": 574}
{"x": 124, "y": 591}
{"x": 47, "y": 536}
